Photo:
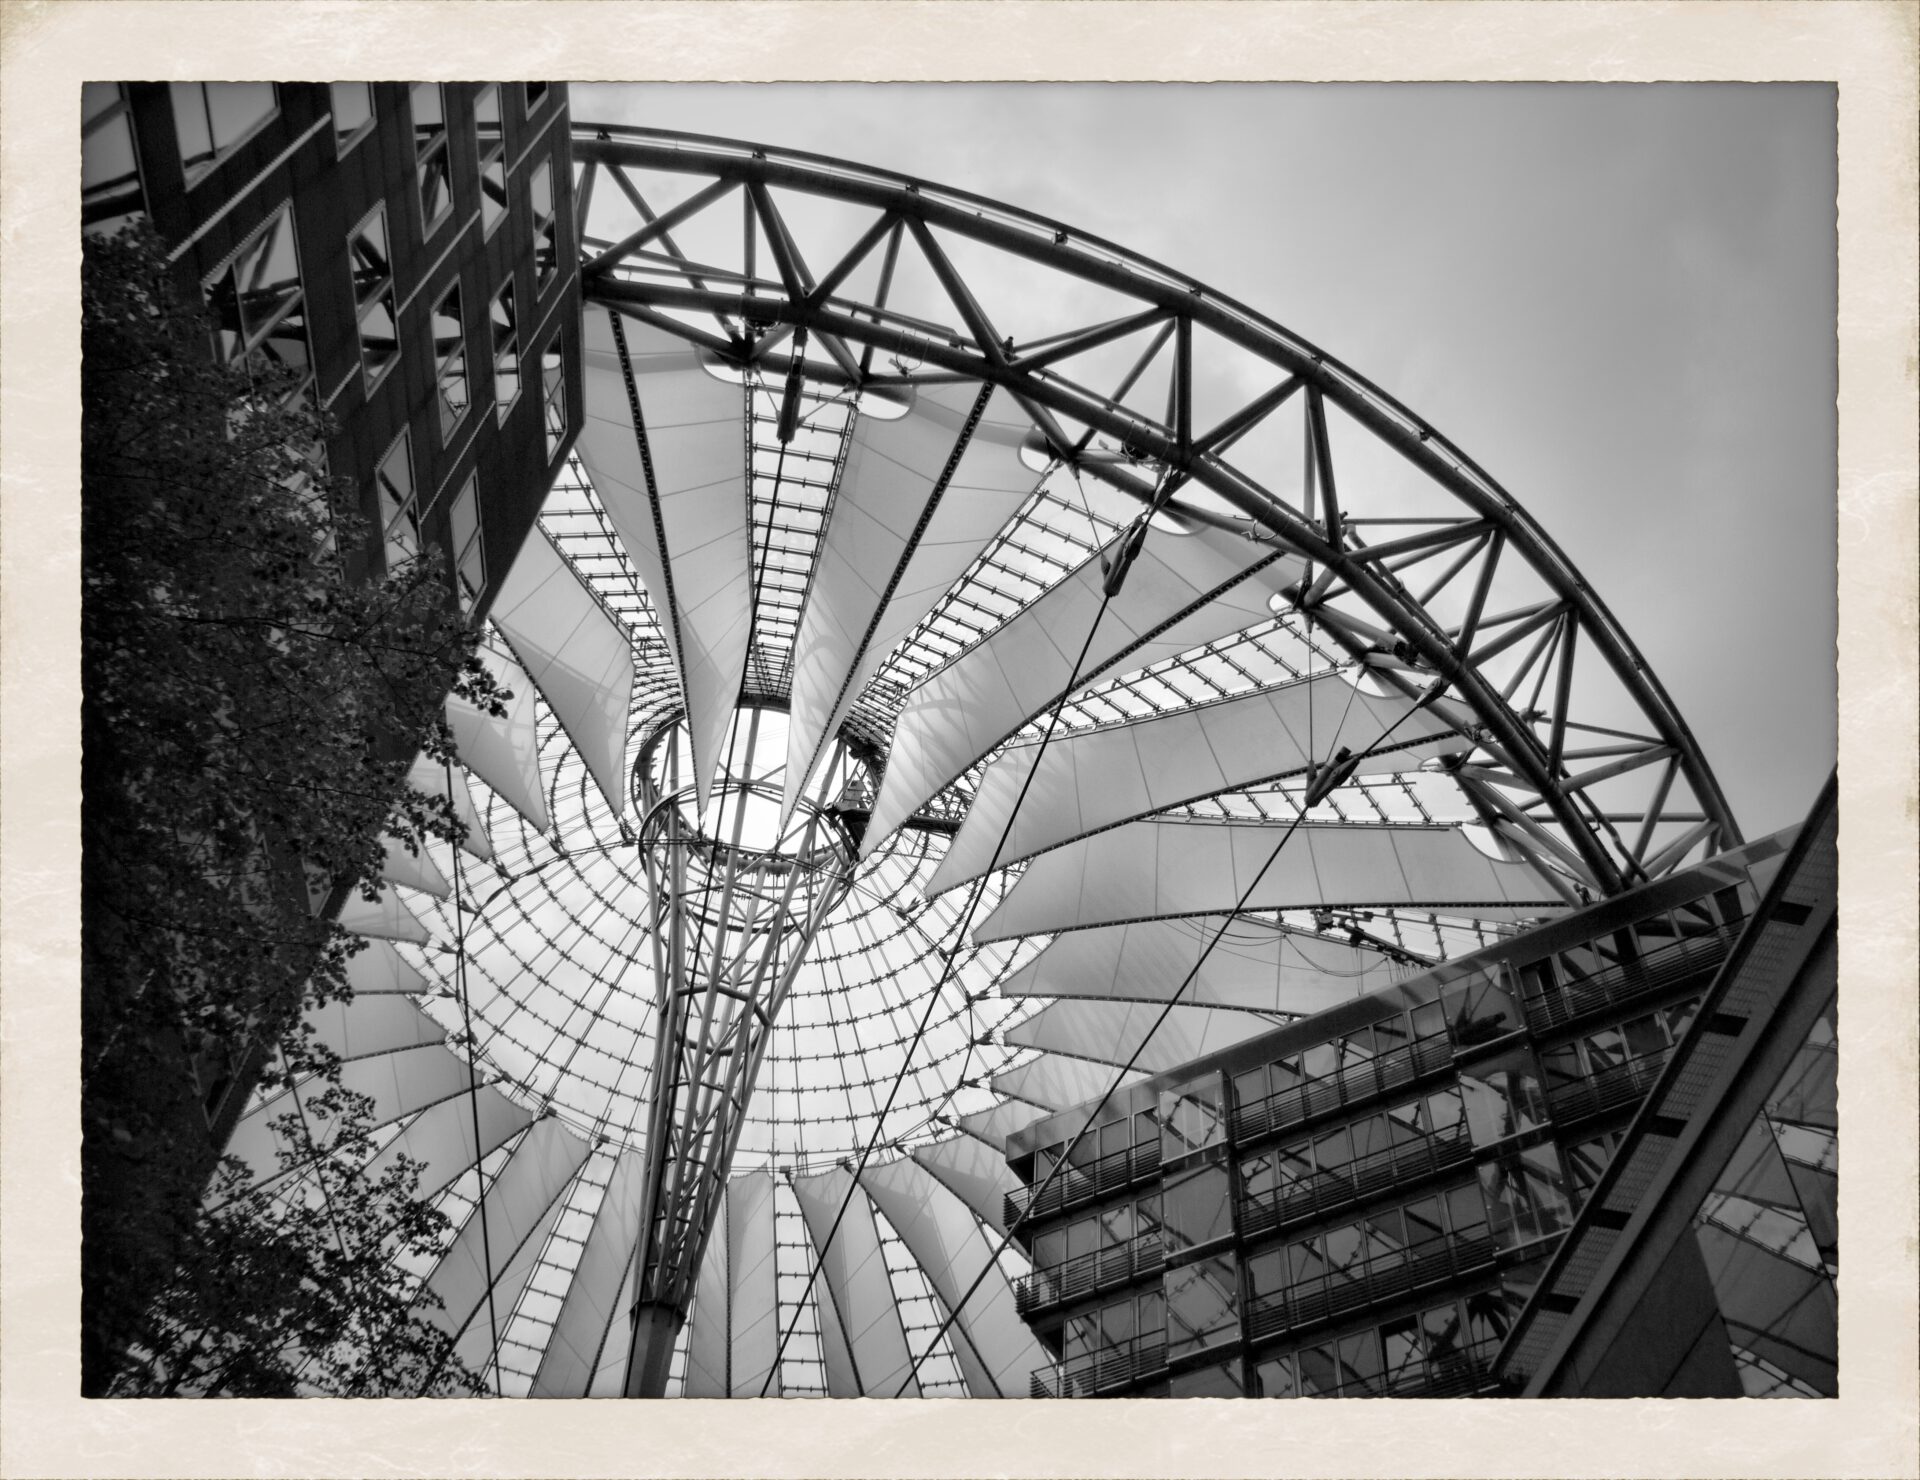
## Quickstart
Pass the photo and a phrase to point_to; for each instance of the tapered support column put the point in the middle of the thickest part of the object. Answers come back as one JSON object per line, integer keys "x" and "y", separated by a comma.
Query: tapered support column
{"x": 736, "y": 895}
{"x": 655, "y": 1330}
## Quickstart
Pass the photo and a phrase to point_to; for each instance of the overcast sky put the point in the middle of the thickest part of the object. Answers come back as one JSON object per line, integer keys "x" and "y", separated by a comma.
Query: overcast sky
{"x": 1618, "y": 299}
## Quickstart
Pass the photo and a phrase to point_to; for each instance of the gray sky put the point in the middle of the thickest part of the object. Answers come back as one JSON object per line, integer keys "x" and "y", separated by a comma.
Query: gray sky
{"x": 1618, "y": 299}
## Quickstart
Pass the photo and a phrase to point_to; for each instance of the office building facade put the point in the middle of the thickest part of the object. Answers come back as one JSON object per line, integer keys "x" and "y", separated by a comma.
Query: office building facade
{"x": 1364, "y": 1202}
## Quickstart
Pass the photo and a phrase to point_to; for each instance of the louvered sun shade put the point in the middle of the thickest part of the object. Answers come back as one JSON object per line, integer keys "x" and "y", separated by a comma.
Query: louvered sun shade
{"x": 674, "y": 486}
{"x": 900, "y": 532}
{"x": 1184, "y": 589}
{"x": 1159, "y": 869}
{"x": 1096, "y": 779}
{"x": 576, "y": 654}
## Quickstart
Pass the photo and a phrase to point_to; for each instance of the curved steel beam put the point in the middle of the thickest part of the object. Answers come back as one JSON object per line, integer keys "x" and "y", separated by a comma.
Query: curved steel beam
{"x": 1537, "y": 764}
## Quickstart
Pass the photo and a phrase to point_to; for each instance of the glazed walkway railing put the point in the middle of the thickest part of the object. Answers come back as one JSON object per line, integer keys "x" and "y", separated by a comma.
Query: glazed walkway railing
{"x": 1365, "y": 1081}
{"x": 1112, "y": 1369}
{"x": 1658, "y": 971}
{"x": 1118, "y": 1264}
{"x": 1381, "y": 1171}
{"x": 1083, "y": 1184}
{"x": 1375, "y": 1281}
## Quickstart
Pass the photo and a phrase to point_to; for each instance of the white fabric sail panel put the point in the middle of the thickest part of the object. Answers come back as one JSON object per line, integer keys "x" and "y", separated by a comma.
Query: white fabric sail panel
{"x": 477, "y": 1344}
{"x": 1057, "y": 1083}
{"x": 995, "y": 1125}
{"x": 1255, "y": 966}
{"x": 610, "y": 1372}
{"x": 399, "y": 1084}
{"x": 577, "y": 655}
{"x": 896, "y": 540}
{"x": 975, "y": 1173}
{"x": 384, "y": 918}
{"x": 378, "y": 1023}
{"x": 504, "y": 753}
{"x": 440, "y": 1137}
{"x": 1094, "y": 779}
{"x": 735, "y": 1327}
{"x": 1183, "y": 590}
{"x": 433, "y": 778}
{"x": 680, "y": 509}
{"x": 415, "y": 870}
{"x": 1160, "y": 869}
{"x": 591, "y": 1313}
{"x": 995, "y": 1349}
{"x": 855, "y": 1272}
{"x": 1111, "y": 1032}
{"x": 518, "y": 1197}
{"x": 378, "y": 967}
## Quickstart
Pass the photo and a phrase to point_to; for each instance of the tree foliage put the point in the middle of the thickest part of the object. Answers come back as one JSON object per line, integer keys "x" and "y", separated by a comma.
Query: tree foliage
{"x": 250, "y": 709}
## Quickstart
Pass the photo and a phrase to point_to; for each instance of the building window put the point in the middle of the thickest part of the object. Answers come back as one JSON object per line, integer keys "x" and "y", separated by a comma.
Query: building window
{"x": 1203, "y": 1305}
{"x": 109, "y": 171}
{"x": 536, "y": 95}
{"x": 258, "y": 307}
{"x": 399, "y": 509}
{"x": 546, "y": 228}
{"x": 493, "y": 156}
{"x": 430, "y": 152}
{"x": 506, "y": 352}
{"x": 212, "y": 119}
{"x": 372, "y": 270}
{"x": 450, "y": 360}
{"x": 469, "y": 554}
{"x": 553, "y": 384}
{"x": 352, "y": 114}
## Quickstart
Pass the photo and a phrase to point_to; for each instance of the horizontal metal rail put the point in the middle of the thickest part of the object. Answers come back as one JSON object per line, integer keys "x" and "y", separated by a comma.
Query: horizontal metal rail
{"x": 1657, "y": 971}
{"x": 1376, "y": 1281}
{"x": 1314, "y": 1098}
{"x": 1076, "y": 1185}
{"x": 1087, "y": 1274}
{"x": 1383, "y": 1171}
{"x": 1111, "y": 1369}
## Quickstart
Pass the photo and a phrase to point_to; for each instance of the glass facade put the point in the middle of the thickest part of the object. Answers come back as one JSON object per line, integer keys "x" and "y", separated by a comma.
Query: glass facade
{"x": 1362, "y": 1209}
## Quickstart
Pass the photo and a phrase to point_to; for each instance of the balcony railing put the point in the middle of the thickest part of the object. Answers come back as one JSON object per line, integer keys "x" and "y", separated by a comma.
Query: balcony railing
{"x": 1656, "y": 972}
{"x": 1087, "y": 1273}
{"x": 1381, "y": 1171}
{"x": 1112, "y": 1369}
{"x": 1316, "y": 1097}
{"x": 1373, "y": 1282}
{"x": 1621, "y": 1084}
{"x": 1082, "y": 1184}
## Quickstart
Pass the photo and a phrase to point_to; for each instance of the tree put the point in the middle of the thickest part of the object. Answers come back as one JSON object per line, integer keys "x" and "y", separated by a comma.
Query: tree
{"x": 249, "y": 711}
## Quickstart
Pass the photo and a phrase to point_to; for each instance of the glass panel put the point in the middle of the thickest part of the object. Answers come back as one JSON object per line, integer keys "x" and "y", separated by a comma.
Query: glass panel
{"x": 506, "y": 356}
{"x": 1116, "y": 1225}
{"x": 1266, "y": 1273}
{"x": 1360, "y": 1367}
{"x": 1050, "y": 1249}
{"x": 1428, "y": 1019}
{"x": 1274, "y": 1378}
{"x": 1115, "y": 1136}
{"x": 429, "y": 115}
{"x": 379, "y": 337}
{"x": 450, "y": 354}
{"x": 1202, "y": 1305}
{"x": 1220, "y": 1380}
{"x": 1426, "y": 1221}
{"x": 1403, "y": 1349}
{"x": 1333, "y": 1149}
{"x": 106, "y": 152}
{"x": 1606, "y": 1049}
{"x": 470, "y": 559}
{"x": 1369, "y": 1136}
{"x": 1444, "y": 1110}
{"x": 536, "y": 95}
{"x": 1081, "y": 1237}
{"x": 1561, "y": 1067}
{"x": 1480, "y": 1009}
{"x": 1190, "y": 1118}
{"x": 1152, "y": 1315}
{"x": 1502, "y": 1098}
{"x": 1306, "y": 1260}
{"x": 486, "y": 120}
{"x": 1466, "y": 1210}
{"x": 493, "y": 193}
{"x": 1391, "y": 1035}
{"x": 1320, "y": 1060}
{"x": 1644, "y": 1037}
{"x": 367, "y": 256}
{"x": 1116, "y": 1322}
{"x": 352, "y": 113}
{"x": 1319, "y": 1373}
{"x": 1197, "y": 1207}
{"x": 1258, "y": 1178}
{"x": 1250, "y": 1088}
{"x": 1525, "y": 1195}
{"x": 210, "y": 118}
{"x": 546, "y": 255}
{"x": 436, "y": 189}
{"x": 1344, "y": 1246}
{"x": 399, "y": 518}
{"x": 261, "y": 284}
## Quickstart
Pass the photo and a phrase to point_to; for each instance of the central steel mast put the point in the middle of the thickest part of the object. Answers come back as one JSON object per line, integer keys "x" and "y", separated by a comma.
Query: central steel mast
{"x": 736, "y": 898}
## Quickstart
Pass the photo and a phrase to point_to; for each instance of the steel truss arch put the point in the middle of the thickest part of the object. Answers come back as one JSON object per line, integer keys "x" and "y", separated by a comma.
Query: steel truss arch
{"x": 1524, "y": 775}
